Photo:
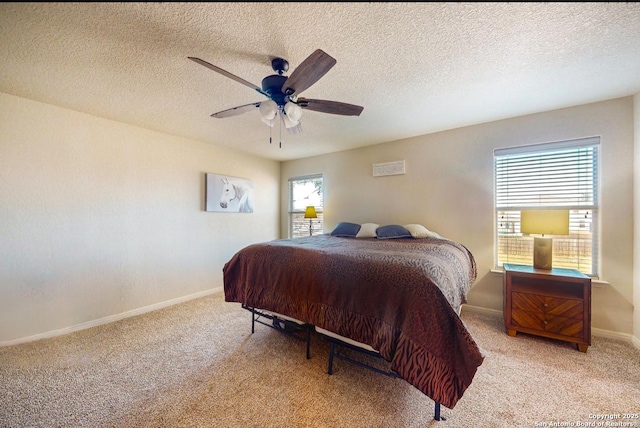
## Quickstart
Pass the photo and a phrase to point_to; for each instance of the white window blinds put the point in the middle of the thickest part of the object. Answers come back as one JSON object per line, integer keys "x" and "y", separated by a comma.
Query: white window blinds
{"x": 561, "y": 175}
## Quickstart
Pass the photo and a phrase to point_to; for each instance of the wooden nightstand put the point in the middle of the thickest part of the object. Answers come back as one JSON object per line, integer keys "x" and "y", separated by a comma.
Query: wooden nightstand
{"x": 550, "y": 303}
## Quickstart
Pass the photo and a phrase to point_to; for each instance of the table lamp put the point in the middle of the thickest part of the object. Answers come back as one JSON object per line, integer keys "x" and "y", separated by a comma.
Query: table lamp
{"x": 310, "y": 213}
{"x": 544, "y": 222}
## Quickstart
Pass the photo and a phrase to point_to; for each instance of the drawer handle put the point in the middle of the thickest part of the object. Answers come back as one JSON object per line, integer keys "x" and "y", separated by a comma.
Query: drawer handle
{"x": 544, "y": 322}
{"x": 545, "y": 305}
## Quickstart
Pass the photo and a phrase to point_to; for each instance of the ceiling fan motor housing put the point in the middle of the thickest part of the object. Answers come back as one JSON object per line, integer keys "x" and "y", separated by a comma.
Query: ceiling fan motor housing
{"x": 272, "y": 85}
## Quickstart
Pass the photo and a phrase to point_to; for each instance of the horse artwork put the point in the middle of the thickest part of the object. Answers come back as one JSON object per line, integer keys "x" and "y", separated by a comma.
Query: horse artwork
{"x": 228, "y": 194}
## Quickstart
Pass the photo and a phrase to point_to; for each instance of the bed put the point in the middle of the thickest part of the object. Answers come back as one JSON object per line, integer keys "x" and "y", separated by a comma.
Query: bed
{"x": 399, "y": 296}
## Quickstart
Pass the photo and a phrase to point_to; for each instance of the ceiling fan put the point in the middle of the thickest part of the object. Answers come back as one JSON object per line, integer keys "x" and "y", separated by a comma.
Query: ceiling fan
{"x": 282, "y": 92}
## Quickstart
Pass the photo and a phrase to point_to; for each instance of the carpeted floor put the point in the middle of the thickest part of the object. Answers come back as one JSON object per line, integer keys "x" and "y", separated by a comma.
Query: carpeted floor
{"x": 197, "y": 364}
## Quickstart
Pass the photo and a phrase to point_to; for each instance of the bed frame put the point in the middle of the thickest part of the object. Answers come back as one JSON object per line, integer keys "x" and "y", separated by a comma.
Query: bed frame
{"x": 282, "y": 323}
{"x": 337, "y": 342}
{"x": 302, "y": 331}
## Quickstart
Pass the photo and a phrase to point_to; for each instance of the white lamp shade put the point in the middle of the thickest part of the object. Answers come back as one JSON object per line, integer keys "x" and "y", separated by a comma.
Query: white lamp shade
{"x": 268, "y": 110}
{"x": 288, "y": 123}
{"x": 268, "y": 122}
{"x": 293, "y": 111}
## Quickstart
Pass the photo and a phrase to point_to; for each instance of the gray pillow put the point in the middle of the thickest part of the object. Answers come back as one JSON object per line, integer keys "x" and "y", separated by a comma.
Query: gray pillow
{"x": 392, "y": 231}
{"x": 346, "y": 230}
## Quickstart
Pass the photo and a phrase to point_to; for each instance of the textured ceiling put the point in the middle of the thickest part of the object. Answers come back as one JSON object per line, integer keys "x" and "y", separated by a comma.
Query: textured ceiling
{"x": 416, "y": 68}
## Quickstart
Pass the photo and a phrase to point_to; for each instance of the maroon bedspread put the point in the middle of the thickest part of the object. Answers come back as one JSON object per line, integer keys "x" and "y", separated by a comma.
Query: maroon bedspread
{"x": 400, "y": 296}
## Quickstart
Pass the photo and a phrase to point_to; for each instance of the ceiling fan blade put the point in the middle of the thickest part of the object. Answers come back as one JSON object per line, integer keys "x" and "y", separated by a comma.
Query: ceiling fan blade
{"x": 229, "y": 75}
{"x": 308, "y": 72}
{"x": 332, "y": 107}
{"x": 236, "y": 111}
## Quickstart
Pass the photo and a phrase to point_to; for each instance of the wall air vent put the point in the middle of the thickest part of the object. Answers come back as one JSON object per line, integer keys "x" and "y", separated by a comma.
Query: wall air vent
{"x": 388, "y": 168}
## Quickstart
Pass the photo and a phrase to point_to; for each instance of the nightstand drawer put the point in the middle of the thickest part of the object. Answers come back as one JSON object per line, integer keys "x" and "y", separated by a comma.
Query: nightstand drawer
{"x": 569, "y": 308}
{"x": 569, "y": 327}
{"x": 564, "y": 326}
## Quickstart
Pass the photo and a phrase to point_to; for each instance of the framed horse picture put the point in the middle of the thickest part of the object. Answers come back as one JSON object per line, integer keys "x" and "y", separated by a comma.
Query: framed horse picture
{"x": 228, "y": 194}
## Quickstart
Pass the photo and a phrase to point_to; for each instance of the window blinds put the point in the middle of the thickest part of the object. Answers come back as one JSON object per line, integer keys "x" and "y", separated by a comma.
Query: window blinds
{"x": 561, "y": 175}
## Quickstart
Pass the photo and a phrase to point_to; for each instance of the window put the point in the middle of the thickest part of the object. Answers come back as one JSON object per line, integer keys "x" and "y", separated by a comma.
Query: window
{"x": 561, "y": 175}
{"x": 304, "y": 192}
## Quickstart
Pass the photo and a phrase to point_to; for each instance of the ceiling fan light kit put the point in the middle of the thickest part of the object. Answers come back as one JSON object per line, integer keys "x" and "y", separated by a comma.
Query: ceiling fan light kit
{"x": 282, "y": 92}
{"x": 288, "y": 122}
{"x": 268, "y": 111}
{"x": 293, "y": 111}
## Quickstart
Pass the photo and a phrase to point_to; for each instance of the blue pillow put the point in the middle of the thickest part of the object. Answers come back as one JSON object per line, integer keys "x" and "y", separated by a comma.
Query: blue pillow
{"x": 392, "y": 231}
{"x": 345, "y": 229}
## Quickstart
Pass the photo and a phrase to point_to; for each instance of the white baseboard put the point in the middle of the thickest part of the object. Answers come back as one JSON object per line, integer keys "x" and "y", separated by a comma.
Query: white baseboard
{"x": 625, "y": 337}
{"x": 477, "y": 309}
{"x": 480, "y": 310}
{"x": 110, "y": 318}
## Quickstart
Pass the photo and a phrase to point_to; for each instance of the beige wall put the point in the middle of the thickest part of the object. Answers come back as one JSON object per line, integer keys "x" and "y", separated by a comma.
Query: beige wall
{"x": 636, "y": 233}
{"x": 98, "y": 218}
{"x": 448, "y": 187}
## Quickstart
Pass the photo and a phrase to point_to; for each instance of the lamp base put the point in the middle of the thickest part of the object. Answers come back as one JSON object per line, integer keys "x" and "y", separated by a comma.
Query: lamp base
{"x": 542, "y": 253}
